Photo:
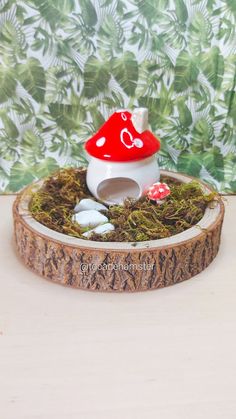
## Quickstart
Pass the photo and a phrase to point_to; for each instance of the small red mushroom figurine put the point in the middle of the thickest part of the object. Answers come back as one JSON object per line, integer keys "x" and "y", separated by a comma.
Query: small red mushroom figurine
{"x": 122, "y": 157}
{"x": 158, "y": 192}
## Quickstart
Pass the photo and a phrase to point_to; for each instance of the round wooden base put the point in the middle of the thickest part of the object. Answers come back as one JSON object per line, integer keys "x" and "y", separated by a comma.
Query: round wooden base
{"x": 99, "y": 266}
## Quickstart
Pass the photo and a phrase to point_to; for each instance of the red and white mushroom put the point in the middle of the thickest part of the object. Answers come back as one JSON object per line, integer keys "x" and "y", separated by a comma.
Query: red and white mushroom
{"x": 120, "y": 139}
{"x": 122, "y": 157}
{"x": 158, "y": 191}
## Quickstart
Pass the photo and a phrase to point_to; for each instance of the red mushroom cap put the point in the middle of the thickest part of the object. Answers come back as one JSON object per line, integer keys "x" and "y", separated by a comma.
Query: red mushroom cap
{"x": 118, "y": 140}
{"x": 158, "y": 191}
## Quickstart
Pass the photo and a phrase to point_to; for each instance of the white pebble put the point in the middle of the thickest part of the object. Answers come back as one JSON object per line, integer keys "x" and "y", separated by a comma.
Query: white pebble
{"x": 90, "y": 218}
{"x": 89, "y": 204}
{"x": 102, "y": 229}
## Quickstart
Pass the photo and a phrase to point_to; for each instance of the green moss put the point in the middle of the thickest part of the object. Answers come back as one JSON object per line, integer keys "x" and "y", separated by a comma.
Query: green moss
{"x": 53, "y": 206}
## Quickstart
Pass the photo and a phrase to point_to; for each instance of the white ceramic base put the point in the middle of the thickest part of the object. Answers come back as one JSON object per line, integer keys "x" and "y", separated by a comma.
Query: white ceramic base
{"x": 113, "y": 182}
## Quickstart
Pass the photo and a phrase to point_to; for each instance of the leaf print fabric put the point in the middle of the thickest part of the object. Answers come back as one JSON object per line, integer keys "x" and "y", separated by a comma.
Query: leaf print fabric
{"x": 67, "y": 65}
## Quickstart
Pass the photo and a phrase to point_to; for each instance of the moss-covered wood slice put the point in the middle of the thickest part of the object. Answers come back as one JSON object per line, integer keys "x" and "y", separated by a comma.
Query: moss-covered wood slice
{"x": 54, "y": 203}
{"x": 132, "y": 261}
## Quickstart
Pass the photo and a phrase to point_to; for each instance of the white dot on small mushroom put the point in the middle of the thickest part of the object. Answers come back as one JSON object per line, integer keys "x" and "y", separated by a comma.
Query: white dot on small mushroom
{"x": 161, "y": 190}
{"x": 138, "y": 143}
{"x": 100, "y": 142}
{"x": 124, "y": 117}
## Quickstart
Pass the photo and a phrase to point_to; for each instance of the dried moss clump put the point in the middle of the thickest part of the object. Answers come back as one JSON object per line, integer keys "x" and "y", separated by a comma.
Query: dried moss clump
{"x": 53, "y": 205}
{"x": 140, "y": 220}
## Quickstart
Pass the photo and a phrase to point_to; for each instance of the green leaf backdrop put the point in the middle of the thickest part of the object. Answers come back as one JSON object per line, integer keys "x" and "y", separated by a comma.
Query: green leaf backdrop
{"x": 66, "y": 65}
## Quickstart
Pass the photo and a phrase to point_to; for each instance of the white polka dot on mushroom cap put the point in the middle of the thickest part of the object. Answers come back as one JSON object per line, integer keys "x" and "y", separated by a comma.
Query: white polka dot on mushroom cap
{"x": 138, "y": 143}
{"x": 100, "y": 142}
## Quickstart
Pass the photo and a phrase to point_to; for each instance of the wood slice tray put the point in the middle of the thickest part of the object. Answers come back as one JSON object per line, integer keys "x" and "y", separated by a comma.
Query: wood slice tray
{"x": 112, "y": 266}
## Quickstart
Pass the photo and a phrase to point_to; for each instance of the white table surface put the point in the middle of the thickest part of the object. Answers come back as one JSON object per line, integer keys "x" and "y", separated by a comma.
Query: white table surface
{"x": 165, "y": 354}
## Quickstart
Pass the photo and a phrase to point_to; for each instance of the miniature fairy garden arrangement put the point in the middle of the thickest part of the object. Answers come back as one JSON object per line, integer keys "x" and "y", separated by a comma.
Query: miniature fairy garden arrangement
{"x": 65, "y": 204}
{"x": 100, "y": 228}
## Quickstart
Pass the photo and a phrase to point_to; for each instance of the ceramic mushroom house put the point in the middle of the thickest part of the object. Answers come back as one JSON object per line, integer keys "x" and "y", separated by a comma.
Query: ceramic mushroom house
{"x": 123, "y": 157}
